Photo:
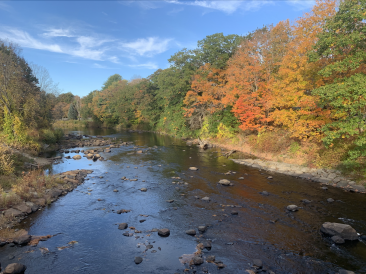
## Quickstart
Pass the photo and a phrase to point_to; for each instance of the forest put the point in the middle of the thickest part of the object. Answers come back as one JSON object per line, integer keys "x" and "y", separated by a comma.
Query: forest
{"x": 298, "y": 87}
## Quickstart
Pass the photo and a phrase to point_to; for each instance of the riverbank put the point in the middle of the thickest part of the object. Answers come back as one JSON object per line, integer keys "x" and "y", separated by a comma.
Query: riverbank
{"x": 34, "y": 192}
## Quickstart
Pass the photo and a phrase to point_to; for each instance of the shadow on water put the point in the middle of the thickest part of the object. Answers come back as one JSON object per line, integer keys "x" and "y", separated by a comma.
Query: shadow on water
{"x": 285, "y": 242}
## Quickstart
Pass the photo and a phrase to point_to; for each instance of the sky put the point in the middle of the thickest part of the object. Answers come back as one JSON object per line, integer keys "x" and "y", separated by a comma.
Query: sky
{"x": 82, "y": 43}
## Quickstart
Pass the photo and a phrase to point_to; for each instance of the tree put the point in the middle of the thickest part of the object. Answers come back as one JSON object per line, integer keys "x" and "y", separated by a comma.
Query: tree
{"x": 341, "y": 52}
{"x": 72, "y": 114}
{"x": 45, "y": 82}
{"x": 111, "y": 80}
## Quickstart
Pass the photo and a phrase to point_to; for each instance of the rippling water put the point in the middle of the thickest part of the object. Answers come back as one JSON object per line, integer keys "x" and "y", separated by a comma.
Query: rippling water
{"x": 293, "y": 244}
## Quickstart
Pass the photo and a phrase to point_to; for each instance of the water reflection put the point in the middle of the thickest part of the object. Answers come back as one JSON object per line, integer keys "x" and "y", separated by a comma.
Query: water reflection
{"x": 286, "y": 242}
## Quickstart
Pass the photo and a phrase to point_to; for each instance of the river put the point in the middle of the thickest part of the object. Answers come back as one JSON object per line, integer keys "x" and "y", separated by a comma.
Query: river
{"x": 286, "y": 242}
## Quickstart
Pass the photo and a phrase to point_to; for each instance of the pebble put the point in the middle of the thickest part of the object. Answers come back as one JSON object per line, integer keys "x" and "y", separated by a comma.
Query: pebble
{"x": 234, "y": 213}
{"x": 330, "y": 200}
{"x": 191, "y": 232}
{"x": 265, "y": 193}
{"x": 193, "y": 168}
{"x": 122, "y": 226}
{"x": 143, "y": 189}
{"x": 115, "y": 190}
{"x": 257, "y": 263}
{"x": 170, "y": 201}
{"x": 292, "y": 208}
{"x": 138, "y": 260}
{"x": 202, "y": 228}
{"x": 205, "y": 199}
{"x": 164, "y": 232}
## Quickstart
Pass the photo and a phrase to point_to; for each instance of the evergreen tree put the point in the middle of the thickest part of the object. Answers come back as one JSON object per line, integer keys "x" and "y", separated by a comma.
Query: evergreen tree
{"x": 72, "y": 114}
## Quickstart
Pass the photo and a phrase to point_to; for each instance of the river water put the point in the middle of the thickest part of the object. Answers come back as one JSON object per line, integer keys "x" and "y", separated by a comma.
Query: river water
{"x": 291, "y": 244}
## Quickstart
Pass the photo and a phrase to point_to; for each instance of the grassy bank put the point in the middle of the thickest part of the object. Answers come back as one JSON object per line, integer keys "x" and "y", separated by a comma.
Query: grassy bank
{"x": 73, "y": 124}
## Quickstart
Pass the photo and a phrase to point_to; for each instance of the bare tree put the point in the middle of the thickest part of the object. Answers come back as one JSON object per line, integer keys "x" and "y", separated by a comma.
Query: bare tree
{"x": 45, "y": 82}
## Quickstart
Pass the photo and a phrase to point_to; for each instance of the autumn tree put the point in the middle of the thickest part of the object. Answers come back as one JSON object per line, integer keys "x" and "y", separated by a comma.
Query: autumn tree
{"x": 341, "y": 51}
{"x": 112, "y": 79}
{"x": 295, "y": 107}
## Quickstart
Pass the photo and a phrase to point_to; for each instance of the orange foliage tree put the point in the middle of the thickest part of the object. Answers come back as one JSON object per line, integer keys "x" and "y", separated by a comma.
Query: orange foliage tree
{"x": 295, "y": 108}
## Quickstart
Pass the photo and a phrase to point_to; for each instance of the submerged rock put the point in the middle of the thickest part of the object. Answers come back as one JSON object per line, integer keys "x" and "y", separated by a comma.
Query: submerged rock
{"x": 197, "y": 260}
{"x": 122, "y": 226}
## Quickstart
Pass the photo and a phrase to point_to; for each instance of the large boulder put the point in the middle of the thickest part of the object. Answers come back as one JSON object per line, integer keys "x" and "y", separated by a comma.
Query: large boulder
{"x": 344, "y": 231}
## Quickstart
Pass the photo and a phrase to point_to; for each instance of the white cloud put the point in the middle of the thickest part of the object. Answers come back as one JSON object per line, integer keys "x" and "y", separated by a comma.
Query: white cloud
{"x": 23, "y": 39}
{"x": 227, "y": 6}
{"x": 148, "y": 65}
{"x": 58, "y": 33}
{"x": 146, "y": 46}
{"x": 114, "y": 59}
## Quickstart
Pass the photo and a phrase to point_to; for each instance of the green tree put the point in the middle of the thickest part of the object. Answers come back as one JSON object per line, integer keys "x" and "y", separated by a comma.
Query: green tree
{"x": 72, "y": 114}
{"x": 111, "y": 80}
{"x": 341, "y": 51}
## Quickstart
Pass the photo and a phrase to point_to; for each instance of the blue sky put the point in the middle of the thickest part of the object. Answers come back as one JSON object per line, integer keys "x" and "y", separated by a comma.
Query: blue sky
{"x": 82, "y": 43}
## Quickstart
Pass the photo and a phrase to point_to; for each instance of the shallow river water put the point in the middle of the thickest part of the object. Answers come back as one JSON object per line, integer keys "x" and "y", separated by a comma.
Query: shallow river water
{"x": 291, "y": 244}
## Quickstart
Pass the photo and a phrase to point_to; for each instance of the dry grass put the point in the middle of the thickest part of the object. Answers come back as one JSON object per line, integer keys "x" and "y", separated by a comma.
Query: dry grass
{"x": 6, "y": 161}
{"x": 30, "y": 185}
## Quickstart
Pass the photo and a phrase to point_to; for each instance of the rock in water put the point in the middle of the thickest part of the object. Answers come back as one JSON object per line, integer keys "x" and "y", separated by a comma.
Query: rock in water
{"x": 344, "y": 231}
{"x": 15, "y": 269}
{"x": 257, "y": 263}
{"x": 191, "y": 232}
{"x": 224, "y": 182}
{"x": 164, "y": 232}
{"x": 193, "y": 168}
{"x": 292, "y": 208}
{"x": 76, "y": 157}
{"x": 138, "y": 260}
{"x": 202, "y": 228}
{"x": 143, "y": 189}
{"x": 122, "y": 226}
{"x": 197, "y": 260}
{"x": 207, "y": 199}
{"x": 330, "y": 200}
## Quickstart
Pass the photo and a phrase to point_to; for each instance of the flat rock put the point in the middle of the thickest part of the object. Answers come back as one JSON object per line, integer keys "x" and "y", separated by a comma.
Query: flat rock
{"x": 207, "y": 199}
{"x": 164, "y": 232}
{"x": 122, "y": 226}
{"x": 23, "y": 239}
{"x": 76, "y": 157}
{"x": 191, "y": 232}
{"x": 344, "y": 231}
{"x": 23, "y": 208}
{"x": 193, "y": 168}
{"x": 15, "y": 268}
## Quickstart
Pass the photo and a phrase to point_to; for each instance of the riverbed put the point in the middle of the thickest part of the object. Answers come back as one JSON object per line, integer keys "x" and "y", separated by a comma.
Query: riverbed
{"x": 242, "y": 224}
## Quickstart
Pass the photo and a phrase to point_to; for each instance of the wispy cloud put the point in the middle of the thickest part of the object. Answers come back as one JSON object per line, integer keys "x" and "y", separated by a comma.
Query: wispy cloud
{"x": 99, "y": 66}
{"x": 4, "y": 6}
{"x": 148, "y": 65}
{"x": 302, "y": 4}
{"x": 22, "y": 38}
{"x": 58, "y": 33}
{"x": 175, "y": 11}
{"x": 146, "y": 46}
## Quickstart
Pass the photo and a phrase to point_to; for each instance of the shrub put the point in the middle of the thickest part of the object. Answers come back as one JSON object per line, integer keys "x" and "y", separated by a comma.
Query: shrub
{"x": 6, "y": 161}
